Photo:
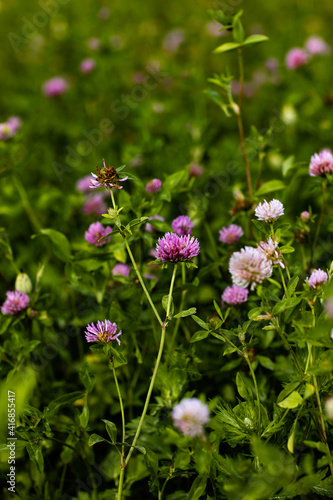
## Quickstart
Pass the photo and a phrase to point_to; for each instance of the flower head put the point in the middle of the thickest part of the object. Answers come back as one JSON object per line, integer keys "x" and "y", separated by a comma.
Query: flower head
{"x": 153, "y": 185}
{"x": 321, "y": 164}
{"x": 15, "y": 302}
{"x": 328, "y": 308}
{"x": 305, "y": 216}
{"x": 190, "y": 416}
{"x": 195, "y": 170}
{"x": 104, "y": 331}
{"x": 249, "y": 266}
{"x": 87, "y": 65}
{"x": 317, "y": 278}
{"x": 182, "y": 225}
{"x": 270, "y": 250}
{"x": 94, "y": 205}
{"x": 296, "y": 57}
{"x": 121, "y": 270}
{"x": 315, "y": 45}
{"x": 174, "y": 248}
{"x": 149, "y": 227}
{"x": 83, "y": 184}
{"x": 55, "y": 86}
{"x": 269, "y": 212}
{"x": 94, "y": 43}
{"x": 234, "y": 295}
{"x": 97, "y": 231}
{"x": 107, "y": 177}
{"x": 231, "y": 234}
{"x": 15, "y": 123}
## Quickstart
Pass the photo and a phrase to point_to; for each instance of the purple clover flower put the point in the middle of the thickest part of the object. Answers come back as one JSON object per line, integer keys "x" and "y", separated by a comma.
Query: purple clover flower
{"x": 296, "y": 57}
{"x": 95, "y": 205}
{"x": 305, "y": 216}
{"x": 83, "y": 184}
{"x": 55, "y": 86}
{"x": 234, "y": 295}
{"x": 97, "y": 231}
{"x": 190, "y": 416}
{"x": 153, "y": 185}
{"x": 231, "y": 234}
{"x": 174, "y": 248}
{"x": 195, "y": 170}
{"x": 321, "y": 164}
{"x": 317, "y": 278}
{"x": 104, "y": 331}
{"x": 87, "y": 65}
{"x": 315, "y": 45}
{"x": 149, "y": 227}
{"x": 182, "y": 225}
{"x": 121, "y": 270}
{"x": 15, "y": 302}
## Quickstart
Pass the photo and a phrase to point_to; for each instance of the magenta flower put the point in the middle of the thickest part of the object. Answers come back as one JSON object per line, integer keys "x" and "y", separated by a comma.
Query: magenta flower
{"x": 149, "y": 276}
{"x": 195, "y": 170}
{"x": 305, "y": 216}
{"x": 249, "y": 266}
{"x": 15, "y": 123}
{"x": 315, "y": 45}
{"x": 55, "y": 86}
{"x": 5, "y": 131}
{"x": 234, "y": 295}
{"x": 317, "y": 278}
{"x": 95, "y": 205}
{"x": 15, "y": 302}
{"x": 182, "y": 225}
{"x": 104, "y": 331}
{"x": 295, "y": 58}
{"x": 121, "y": 270}
{"x": 149, "y": 227}
{"x": 269, "y": 212}
{"x": 94, "y": 43}
{"x": 321, "y": 164}
{"x": 87, "y": 65}
{"x": 83, "y": 184}
{"x": 230, "y": 234}
{"x": 97, "y": 231}
{"x": 153, "y": 185}
{"x": 174, "y": 248}
{"x": 190, "y": 416}
{"x": 269, "y": 249}
{"x": 173, "y": 40}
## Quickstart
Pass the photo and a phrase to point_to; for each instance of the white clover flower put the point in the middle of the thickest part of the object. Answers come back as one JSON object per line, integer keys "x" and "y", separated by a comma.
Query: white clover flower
{"x": 269, "y": 212}
{"x": 190, "y": 416}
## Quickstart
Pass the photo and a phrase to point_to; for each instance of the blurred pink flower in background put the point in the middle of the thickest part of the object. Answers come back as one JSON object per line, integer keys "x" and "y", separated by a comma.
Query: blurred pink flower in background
{"x": 55, "y": 86}
{"x": 87, "y": 65}
{"x": 296, "y": 57}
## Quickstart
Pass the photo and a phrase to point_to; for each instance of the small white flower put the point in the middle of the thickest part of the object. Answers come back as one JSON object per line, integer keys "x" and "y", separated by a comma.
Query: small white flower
{"x": 269, "y": 212}
{"x": 190, "y": 415}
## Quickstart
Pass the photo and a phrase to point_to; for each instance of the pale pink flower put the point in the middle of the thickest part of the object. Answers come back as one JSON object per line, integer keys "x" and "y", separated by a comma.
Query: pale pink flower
{"x": 213, "y": 29}
{"x": 94, "y": 43}
{"x": 317, "y": 278}
{"x": 315, "y": 45}
{"x": 153, "y": 185}
{"x": 87, "y": 65}
{"x": 321, "y": 164}
{"x": 269, "y": 212}
{"x": 190, "y": 416}
{"x": 83, "y": 184}
{"x": 249, "y": 267}
{"x": 94, "y": 205}
{"x": 195, "y": 170}
{"x": 173, "y": 40}
{"x": 234, "y": 295}
{"x": 328, "y": 308}
{"x": 121, "y": 270}
{"x": 270, "y": 250}
{"x": 305, "y": 216}
{"x": 295, "y": 58}
{"x": 230, "y": 234}
{"x": 55, "y": 86}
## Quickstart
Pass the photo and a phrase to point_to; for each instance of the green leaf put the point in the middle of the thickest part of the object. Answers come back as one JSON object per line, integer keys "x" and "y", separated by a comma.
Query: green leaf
{"x": 286, "y": 249}
{"x": 218, "y": 309}
{"x": 266, "y": 362}
{"x": 165, "y": 301}
{"x": 254, "y": 313}
{"x": 243, "y": 387}
{"x": 111, "y": 430}
{"x": 65, "y": 400}
{"x": 291, "y": 439}
{"x": 198, "y": 487}
{"x": 200, "y": 322}
{"x": 36, "y": 456}
{"x": 286, "y": 304}
{"x": 270, "y": 186}
{"x": 226, "y": 47}
{"x": 292, "y": 284}
{"x": 84, "y": 417}
{"x": 288, "y": 389}
{"x": 199, "y": 335}
{"x": 254, "y": 39}
{"x": 317, "y": 445}
{"x": 86, "y": 377}
{"x": 238, "y": 31}
{"x": 260, "y": 226}
{"x": 187, "y": 312}
{"x": 308, "y": 391}
{"x": 292, "y": 401}
{"x": 287, "y": 165}
{"x": 95, "y": 438}
{"x": 60, "y": 244}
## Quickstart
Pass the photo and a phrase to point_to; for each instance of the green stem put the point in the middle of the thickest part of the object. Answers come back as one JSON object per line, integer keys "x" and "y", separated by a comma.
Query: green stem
{"x": 283, "y": 282}
{"x": 240, "y": 122}
{"x": 158, "y": 359}
{"x": 160, "y": 493}
{"x": 122, "y": 463}
{"x": 322, "y": 422}
{"x": 246, "y": 356}
{"x": 213, "y": 246}
{"x": 181, "y": 307}
{"x": 324, "y": 189}
{"x": 290, "y": 349}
